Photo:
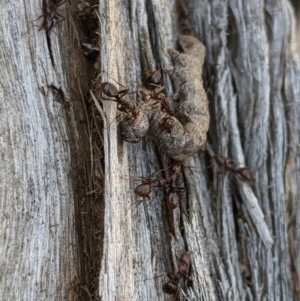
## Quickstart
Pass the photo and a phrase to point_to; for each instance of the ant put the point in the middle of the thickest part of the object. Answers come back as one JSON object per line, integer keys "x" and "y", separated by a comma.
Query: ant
{"x": 172, "y": 198}
{"x": 144, "y": 189}
{"x": 166, "y": 106}
{"x": 50, "y": 14}
{"x": 167, "y": 122}
{"x": 171, "y": 287}
{"x": 111, "y": 90}
{"x": 172, "y": 195}
{"x": 226, "y": 163}
{"x": 243, "y": 173}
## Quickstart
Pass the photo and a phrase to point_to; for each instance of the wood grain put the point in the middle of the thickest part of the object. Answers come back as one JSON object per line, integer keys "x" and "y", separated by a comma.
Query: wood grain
{"x": 244, "y": 239}
{"x": 232, "y": 229}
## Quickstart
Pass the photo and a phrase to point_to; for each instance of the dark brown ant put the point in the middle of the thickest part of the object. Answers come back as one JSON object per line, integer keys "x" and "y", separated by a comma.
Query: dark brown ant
{"x": 171, "y": 287}
{"x": 50, "y": 19}
{"x": 111, "y": 90}
{"x": 144, "y": 189}
{"x": 243, "y": 173}
{"x": 167, "y": 122}
{"x": 50, "y": 14}
{"x": 166, "y": 106}
{"x": 226, "y": 163}
{"x": 172, "y": 198}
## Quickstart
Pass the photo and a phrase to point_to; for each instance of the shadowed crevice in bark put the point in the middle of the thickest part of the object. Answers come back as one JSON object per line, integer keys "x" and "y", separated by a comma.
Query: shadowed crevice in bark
{"x": 85, "y": 124}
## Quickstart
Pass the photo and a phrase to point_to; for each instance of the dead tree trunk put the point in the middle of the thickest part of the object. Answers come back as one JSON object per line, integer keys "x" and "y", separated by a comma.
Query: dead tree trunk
{"x": 243, "y": 237}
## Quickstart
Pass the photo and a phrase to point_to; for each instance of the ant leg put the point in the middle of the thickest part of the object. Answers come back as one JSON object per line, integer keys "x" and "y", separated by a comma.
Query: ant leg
{"x": 61, "y": 2}
{"x": 177, "y": 57}
{"x": 36, "y": 19}
{"x": 111, "y": 99}
{"x": 122, "y": 93}
{"x": 59, "y": 15}
{"x": 179, "y": 91}
{"x": 158, "y": 88}
{"x": 26, "y": 32}
{"x": 33, "y": 24}
{"x": 114, "y": 80}
{"x": 134, "y": 206}
{"x": 115, "y": 119}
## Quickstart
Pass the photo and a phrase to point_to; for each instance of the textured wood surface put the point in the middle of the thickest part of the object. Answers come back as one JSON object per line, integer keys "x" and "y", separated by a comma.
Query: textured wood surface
{"x": 238, "y": 234}
{"x": 244, "y": 239}
{"x": 37, "y": 205}
{"x": 40, "y": 143}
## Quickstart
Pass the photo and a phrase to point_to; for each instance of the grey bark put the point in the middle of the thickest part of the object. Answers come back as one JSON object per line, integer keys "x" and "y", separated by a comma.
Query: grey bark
{"x": 244, "y": 239}
{"x": 44, "y": 156}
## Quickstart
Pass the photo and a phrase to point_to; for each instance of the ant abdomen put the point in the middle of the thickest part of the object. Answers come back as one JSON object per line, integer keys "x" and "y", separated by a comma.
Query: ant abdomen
{"x": 169, "y": 288}
{"x": 172, "y": 200}
{"x": 109, "y": 89}
{"x": 244, "y": 174}
{"x": 143, "y": 190}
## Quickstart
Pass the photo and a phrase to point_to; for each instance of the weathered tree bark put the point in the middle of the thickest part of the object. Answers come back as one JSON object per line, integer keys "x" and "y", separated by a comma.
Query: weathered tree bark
{"x": 46, "y": 233}
{"x": 243, "y": 238}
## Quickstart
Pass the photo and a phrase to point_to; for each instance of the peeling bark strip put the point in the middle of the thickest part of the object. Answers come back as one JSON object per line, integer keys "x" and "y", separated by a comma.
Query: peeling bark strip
{"x": 187, "y": 134}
